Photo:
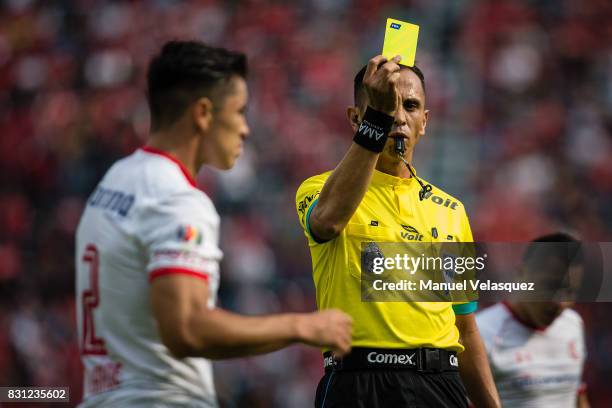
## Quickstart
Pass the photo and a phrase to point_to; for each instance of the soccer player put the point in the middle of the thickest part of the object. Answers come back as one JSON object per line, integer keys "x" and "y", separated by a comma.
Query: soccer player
{"x": 372, "y": 196}
{"x": 536, "y": 349}
{"x": 147, "y": 255}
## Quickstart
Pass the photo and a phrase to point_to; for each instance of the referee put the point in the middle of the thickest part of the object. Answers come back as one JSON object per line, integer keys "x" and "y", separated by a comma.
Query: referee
{"x": 404, "y": 354}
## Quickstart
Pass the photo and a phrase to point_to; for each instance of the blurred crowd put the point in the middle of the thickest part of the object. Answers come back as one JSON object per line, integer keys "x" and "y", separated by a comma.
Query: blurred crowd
{"x": 520, "y": 129}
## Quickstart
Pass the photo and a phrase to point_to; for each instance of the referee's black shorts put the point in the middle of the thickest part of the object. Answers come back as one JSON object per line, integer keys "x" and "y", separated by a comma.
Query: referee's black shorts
{"x": 379, "y": 388}
{"x": 392, "y": 378}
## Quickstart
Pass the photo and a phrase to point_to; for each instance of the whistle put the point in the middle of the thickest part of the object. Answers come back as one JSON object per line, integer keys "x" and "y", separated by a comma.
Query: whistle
{"x": 400, "y": 146}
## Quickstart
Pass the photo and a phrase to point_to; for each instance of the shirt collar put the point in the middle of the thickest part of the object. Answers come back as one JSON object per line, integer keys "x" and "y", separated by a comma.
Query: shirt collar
{"x": 380, "y": 178}
{"x": 181, "y": 166}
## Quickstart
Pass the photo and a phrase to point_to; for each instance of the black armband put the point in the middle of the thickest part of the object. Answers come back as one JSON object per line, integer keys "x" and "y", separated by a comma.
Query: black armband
{"x": 373, "y": 130}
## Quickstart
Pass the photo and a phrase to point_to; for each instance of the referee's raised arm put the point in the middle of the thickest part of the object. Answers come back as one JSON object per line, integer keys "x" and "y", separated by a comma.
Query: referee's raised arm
{"x": 346, "y": 186}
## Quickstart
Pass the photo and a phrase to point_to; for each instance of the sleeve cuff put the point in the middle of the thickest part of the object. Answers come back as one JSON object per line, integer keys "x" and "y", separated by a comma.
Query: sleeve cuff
{"x": 465, "y": 308}
{"x": 307, "y": 223}
{"x": 176, "y": 271}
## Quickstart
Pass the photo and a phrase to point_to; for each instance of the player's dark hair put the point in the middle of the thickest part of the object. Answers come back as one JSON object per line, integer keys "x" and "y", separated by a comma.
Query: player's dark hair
{"x": 183, "y": 72}
{"x": 569, "y": 249}
{"x": 358, "y": 81}
{"x": 549, "y": 257}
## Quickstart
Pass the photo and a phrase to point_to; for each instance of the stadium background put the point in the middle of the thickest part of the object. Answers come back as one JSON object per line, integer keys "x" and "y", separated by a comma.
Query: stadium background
{"x": 520, "y": 94}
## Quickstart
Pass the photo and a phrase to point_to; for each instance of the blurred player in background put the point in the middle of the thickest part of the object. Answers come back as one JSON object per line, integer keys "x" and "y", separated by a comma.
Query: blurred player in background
{"x": 147, "y": 255}
{"x": 373, "y": 196}
{"x": 536, "y": 349}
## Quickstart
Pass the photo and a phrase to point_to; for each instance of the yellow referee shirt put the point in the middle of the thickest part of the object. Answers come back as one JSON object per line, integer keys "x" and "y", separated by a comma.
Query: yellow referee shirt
{"x": 389, "y": 212}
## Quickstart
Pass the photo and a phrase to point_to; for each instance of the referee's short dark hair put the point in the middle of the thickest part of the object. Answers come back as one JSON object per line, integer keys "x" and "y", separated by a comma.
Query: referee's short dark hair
{"x": 358, "y": 81}
{"x": 185, "y": 71}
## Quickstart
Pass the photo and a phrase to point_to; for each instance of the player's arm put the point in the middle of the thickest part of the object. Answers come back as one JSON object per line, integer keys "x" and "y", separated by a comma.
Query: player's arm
{"x": 583, "y": 401}
{"x": 346, "y": 186}
{"x": 190, "y": 329}
{"x": 474, "y": 365}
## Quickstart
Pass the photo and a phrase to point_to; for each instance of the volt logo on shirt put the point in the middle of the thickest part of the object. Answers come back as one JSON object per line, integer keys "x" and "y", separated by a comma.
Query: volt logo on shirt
{"x": 441, "y": 201}
{"x": 411, "y": 234}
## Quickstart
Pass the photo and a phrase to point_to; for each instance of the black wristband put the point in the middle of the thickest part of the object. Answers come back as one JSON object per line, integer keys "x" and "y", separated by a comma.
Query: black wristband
{"x": 373, "y": 130}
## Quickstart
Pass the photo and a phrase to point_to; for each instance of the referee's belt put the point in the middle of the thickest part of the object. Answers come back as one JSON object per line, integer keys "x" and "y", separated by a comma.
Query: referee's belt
{"x": 429, "y": 360}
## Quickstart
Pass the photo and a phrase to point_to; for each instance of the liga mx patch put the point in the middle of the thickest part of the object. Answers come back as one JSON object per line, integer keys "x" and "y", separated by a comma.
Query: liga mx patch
{"x": 189, "y": 233}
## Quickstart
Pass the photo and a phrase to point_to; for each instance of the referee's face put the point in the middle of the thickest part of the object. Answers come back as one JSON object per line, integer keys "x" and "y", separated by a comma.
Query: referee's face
{"x": 410, "y": 119}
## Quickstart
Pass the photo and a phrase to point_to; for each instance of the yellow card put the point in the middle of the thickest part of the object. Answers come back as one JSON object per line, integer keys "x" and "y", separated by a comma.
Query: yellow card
{"x": 401, "y": 39}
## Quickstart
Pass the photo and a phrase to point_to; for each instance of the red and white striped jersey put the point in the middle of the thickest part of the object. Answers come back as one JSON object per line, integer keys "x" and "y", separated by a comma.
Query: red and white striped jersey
{"x": 144, "y": 220}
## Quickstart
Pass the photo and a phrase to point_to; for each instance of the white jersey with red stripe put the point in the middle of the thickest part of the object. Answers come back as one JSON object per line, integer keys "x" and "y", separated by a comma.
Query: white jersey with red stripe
{"x": 145, "y": 219}
{"x": 533, "y": 367}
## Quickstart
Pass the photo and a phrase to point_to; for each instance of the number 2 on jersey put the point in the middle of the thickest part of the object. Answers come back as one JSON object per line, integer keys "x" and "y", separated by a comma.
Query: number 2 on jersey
{"x": 90, "y": 344}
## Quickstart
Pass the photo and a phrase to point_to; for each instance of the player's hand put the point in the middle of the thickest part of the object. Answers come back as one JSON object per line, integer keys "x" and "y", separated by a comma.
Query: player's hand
{"x": 380, "y": 84}
{"x": 328, "y": 328}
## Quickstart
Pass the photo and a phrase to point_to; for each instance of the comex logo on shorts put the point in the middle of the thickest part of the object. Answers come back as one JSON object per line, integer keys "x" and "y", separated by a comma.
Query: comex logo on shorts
{"x": 452, "y": 360}
{"x": 405, "y": 359}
